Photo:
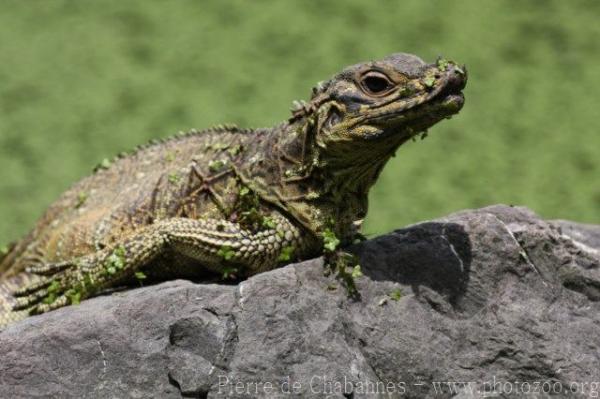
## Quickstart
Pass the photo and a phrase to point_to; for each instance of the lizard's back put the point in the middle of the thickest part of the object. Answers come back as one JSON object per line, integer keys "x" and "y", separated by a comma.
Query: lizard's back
{"x": 153, "y": 183}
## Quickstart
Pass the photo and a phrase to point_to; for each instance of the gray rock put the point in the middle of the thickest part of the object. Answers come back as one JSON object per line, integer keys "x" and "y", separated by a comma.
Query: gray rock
{"x": 493, "y": 299}
{"x": 586, "y": 234}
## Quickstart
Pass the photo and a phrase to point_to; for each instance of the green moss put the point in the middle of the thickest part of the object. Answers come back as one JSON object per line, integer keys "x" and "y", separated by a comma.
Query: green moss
{"x": 104, "y": 164}
{"x": 330, "y": 241}
{"x": 53, "y": 287}
{"x": 140, "y": 275}
{"x": 174, "y": 178}
{"x": 346, "y": 269}
{"x": 396, "y": 294}
{"x": 247, "y": 210}
{"x": 74, "y": 296}
{"x": 312, "y": 195}
{"x": 229, "y": 273}
{"x": 429, "y": 81}
{"x": 268, "y": 222}
{"x": 170, "y": 157}
{"x": 356, "y": 272}
{"x": 115, "y": 261}
{"x": 49, "y": 299}
{"x": 81, "y": 199}
{"x": 286, "y": 253}
{"x": 226, "y": 252}
{"x": 216, "y": 165}
{"x": 235, "y": 150}
{"x": 442, "y": 64}
{"x": 53, "y": 290}
{"x": 220, "y": 146}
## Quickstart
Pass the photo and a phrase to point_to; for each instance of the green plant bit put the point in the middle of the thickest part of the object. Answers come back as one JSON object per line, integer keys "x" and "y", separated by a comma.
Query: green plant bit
{"x": 236, "y": 149}
{"x": 215, "y": 166}
{"x": 174, "y": 178}
{"x": 140, "y": 275}
{"x": 247, "y": 209}
{"x": 442, "y": 64}
{"x": 115, "y": 261}
{"x": 356, "y": 272}
{"x": 268, "y": 222}
{"x": 429, "y": 81}
{"x": 52, "y": 290}
{"x": 104, "y": 164}
{"x": 340, "y": 262}
{"x": 81, "y": 290}
{"x": 74, "y": 296}
{"x": 81, "y": 199}
{"x": 226, "y": 252}
{"x": 286, "y": 253}
{"x": 396, "y": 294}
{"x": 170, "y": 157}
{"x": 330, "y": 241}
{"x": 229, "y": 273}
{"x": 220, "y": 146}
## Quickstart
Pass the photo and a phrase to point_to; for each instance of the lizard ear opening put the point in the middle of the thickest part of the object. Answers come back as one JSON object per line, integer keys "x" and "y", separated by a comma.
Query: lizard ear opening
{"x": 333, "y": 118}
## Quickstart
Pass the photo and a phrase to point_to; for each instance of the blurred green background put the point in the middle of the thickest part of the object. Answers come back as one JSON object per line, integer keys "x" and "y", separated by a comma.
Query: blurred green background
{"x": 82, "y": 80}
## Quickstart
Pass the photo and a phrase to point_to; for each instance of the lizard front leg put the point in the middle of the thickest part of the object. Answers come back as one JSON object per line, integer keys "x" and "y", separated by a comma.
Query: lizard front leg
{"x": 214, "y": 243}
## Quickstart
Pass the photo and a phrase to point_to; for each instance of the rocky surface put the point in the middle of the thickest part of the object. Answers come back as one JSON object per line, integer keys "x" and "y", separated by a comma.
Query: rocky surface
{"x": 495, "y": 297}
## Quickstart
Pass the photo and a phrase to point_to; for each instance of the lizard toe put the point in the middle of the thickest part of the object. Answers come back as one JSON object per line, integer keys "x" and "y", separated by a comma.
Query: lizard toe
{"x": 49, "y": 268}
{"x": 33, "y": 287}
{"x": 27, "y": 302}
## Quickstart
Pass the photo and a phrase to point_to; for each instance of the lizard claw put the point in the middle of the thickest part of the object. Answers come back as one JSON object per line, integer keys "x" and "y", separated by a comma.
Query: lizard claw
{"x": 47, "y": 293}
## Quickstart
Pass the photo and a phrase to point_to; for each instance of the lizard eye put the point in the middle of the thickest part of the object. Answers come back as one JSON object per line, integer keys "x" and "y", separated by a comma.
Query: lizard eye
{"x": 376, "y": 83}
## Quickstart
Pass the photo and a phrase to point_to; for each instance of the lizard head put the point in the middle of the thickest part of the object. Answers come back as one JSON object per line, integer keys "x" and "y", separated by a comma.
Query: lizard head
{"x": 371, "y": 108}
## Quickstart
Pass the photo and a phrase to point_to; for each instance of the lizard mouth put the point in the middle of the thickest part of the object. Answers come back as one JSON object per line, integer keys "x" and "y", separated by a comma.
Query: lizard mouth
{"x": 445, "y": 100}
{"x": 420, "y": 118}
{"x": 450, "y": 94}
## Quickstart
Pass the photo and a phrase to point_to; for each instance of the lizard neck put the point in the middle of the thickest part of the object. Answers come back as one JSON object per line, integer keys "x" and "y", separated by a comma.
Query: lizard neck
{"x": 322, "y": 187}
{"x": 349, "y": 168}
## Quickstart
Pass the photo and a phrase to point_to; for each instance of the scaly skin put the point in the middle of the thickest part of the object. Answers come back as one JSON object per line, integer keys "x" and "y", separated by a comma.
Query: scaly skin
{"x": 227, "y": 199}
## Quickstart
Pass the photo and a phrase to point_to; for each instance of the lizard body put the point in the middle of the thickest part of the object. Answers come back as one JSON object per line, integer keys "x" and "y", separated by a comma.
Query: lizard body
{"x": 228, "y": 198}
